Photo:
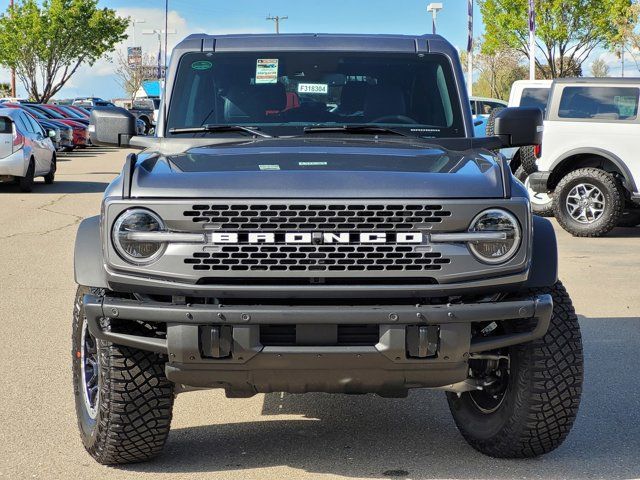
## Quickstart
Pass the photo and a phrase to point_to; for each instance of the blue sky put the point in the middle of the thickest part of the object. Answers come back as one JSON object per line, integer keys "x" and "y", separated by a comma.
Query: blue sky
{"x": 248, "y": 16}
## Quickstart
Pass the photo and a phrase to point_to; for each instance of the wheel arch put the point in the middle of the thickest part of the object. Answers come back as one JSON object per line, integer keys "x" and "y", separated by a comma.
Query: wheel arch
{"x": 88, "y": 263}
{"x": 590, "y": 157}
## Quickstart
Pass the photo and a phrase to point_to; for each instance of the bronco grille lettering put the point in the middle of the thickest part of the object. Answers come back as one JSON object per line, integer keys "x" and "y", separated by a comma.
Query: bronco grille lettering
{"x": 309, "y": 238}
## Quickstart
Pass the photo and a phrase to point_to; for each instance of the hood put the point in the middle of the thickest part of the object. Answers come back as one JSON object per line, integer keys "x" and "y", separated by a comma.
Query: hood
{"x": 318, "y": 168}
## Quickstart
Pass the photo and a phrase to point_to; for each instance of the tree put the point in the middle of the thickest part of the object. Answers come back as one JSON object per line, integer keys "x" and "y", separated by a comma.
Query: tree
{"x": 46, "y": 44}
{"x": 130, "y": 77}
{"x": 567, "y": 31}
{"x": 599, "y": 68}
{"x": 497, "y": 72}
{"x": 5, "y": 89}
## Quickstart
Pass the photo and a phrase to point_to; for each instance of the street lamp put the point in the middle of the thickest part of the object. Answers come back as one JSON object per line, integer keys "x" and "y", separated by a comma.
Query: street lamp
{"x": 133, "y": 24}
{"x": 160, "y": 34}
{"x": 434, "y": 8}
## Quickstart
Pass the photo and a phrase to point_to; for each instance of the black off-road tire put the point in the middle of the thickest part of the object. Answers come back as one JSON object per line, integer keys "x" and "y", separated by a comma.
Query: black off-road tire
{"x": 540, "y": 209}
{"x": 528, "y": 159}
{"x": 490, "y": 127}
{"x": 135, "y": 401}
{"x": 26, "y": 183}
{"x": 50, "y": 177}
{"x": 542, "y": 395}
{"x": 613, "y": 196}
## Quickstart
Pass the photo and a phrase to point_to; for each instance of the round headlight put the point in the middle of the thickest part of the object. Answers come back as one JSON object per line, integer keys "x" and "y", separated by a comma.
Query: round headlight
{"x": 498, "y": 250}
{"x": 135, "y": 221}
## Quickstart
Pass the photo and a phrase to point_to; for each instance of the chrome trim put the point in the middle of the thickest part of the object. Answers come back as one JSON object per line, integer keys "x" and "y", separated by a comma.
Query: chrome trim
{"x": 467, "y": 237}
{"x": 166, "y": 237}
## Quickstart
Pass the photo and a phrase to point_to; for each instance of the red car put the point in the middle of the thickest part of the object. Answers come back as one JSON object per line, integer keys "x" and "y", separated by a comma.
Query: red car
{"x": 80, "y": 129}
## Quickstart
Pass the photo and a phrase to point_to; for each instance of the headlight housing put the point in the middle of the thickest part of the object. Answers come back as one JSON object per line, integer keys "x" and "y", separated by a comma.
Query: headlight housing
{"x": 495, "y": 252}
{"x": 136, "y": 220}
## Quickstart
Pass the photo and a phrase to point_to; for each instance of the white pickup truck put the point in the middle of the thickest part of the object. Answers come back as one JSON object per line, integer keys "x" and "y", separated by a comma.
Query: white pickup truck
{"x": 589, "y": 162}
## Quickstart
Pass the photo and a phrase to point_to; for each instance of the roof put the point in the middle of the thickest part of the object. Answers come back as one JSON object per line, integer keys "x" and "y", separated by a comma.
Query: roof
{"x": 314, "y": 41}
{"x": 625, "y": 80}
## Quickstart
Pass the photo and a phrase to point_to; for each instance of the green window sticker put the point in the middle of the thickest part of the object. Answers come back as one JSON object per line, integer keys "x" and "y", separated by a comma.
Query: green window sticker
{"x": 201, "y": 65}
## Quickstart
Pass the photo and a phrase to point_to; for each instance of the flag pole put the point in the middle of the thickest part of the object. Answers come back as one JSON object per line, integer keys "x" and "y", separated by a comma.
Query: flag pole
{"x": 532, "y": 40}
{"x": 470, "y": 51}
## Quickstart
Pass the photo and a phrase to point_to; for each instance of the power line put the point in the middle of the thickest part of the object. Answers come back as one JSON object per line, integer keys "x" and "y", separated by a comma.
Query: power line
{"x": 277, "y": 20}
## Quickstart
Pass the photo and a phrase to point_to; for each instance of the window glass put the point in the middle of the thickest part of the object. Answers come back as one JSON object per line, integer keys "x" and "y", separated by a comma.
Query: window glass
{"x": 474, "y": 109}
{"x": 535, "y": 97}
{"x": 605, "y": 103}
{"x": 6, "y": 125}
{"x": 284, "y": 92}
{"x": 34, "y": 125}
{"x": 23, "y": 123}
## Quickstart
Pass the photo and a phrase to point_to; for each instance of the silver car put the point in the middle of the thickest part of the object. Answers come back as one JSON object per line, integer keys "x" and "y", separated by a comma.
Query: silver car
{"x": 26, "y": 149}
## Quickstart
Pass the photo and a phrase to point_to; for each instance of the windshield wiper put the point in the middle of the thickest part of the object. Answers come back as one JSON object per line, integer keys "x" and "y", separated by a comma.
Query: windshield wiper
{"x": 219, "y": 129}
{"x": 375, "y": 129}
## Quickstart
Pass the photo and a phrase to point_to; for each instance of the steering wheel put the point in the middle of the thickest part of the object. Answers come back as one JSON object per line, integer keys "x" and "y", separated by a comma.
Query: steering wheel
{"x": 394, "y": 119}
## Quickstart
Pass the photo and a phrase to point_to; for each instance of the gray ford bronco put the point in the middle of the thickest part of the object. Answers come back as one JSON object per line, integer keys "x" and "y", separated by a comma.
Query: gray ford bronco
{"x": 314, "y": 214}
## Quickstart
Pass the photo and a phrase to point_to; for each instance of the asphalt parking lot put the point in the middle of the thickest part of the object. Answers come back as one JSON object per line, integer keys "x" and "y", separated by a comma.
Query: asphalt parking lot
{"x": 287, "y": 436}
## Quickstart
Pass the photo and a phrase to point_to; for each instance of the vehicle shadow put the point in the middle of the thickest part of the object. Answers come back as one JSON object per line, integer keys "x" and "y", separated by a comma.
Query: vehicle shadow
{"x": 57, "y": 187}
{"x": 627, "y": 232}
{"x": 371, "y": 437}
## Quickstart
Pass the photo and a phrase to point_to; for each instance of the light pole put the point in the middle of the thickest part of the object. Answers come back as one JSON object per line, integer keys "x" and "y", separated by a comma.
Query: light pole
{"x": 277, "y": 20}
{"x": 13, "y": 70}
{"x": 133, "y": 24}
{"x": 434, "y": 8}
{"x": 470, "y": 50}
{"x": 159, "y": 33}
{"x": 532, "y": 40}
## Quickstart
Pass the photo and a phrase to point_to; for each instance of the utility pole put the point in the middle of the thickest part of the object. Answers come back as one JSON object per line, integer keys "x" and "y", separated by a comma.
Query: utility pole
{"x": 13, "y": 70}
{"x": 434, "y": 8}
{"x": 277, "y": 20}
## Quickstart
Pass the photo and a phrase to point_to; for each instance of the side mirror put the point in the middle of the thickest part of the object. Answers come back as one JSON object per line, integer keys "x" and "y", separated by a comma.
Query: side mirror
{"x": 51, "y": 133}
{"x": 519, "y": 127}
{"x": 112, "y": 126}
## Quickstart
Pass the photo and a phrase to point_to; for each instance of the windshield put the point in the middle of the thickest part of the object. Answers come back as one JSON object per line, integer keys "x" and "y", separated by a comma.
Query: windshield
{"x": 282, "y": 93}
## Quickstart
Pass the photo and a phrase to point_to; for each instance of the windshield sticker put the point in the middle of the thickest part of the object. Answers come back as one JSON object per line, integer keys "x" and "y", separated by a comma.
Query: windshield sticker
{"x": 313, "y": 164}
{"x": 269, "y": 167}
{"x": 267, "y": 70}
{"x": 315, "y": 88}
{"x": 201, "y": 65}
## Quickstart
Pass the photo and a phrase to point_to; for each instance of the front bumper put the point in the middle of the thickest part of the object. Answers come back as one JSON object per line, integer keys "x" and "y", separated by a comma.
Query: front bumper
{"x": 538, "y": 181}
{"x": 246, "y": 366}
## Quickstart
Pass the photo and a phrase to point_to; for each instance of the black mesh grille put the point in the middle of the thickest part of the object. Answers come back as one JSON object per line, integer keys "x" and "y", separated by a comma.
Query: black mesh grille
{"x": 305, "y": 217}
{"x": 318, "y": 258}
{"x": 346, "y": 335}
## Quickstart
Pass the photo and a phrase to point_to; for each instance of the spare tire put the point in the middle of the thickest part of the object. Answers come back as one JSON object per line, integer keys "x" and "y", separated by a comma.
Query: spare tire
{"x": 491, "y": 121}
{"x": 528, "y": 159}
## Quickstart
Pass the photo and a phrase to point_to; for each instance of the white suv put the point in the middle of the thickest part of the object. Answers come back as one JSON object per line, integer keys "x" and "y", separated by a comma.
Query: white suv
{"x": 589, "y": 161}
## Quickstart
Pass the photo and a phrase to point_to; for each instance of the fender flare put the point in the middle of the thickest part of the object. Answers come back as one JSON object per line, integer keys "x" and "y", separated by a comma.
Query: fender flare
{"x": 88, "y": 259}
{"x": 544, "y": 263}
{"x": 617, "y": 161}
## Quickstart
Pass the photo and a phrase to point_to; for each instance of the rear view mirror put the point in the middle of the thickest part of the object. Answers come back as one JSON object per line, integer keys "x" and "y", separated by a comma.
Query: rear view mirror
{"x": 519, "y": 127}
{"x": 112, "y": 126}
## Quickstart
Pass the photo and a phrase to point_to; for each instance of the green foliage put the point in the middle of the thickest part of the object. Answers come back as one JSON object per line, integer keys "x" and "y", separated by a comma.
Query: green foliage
{"x": 46, "y": 44}
{"x": 567, "y": 31}
{"x": 496, "y": 71}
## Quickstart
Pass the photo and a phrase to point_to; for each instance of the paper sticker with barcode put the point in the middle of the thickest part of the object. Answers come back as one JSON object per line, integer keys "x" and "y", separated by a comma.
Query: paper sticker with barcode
{"x": 267, "y": 70}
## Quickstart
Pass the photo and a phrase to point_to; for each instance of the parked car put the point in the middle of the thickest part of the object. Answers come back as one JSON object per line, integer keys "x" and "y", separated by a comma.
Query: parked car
{"x": 80, "y": 130}
{"x": 68, "y": 113}
{"x": 65, "y": 143}
{"x": 258, "y": 245}
{"x": 482, "y": 106}
{"x": 92, "y": 102}
{"x": 146, "y": 109}
{"x": 26, "y": 149}
{"x": 589, "y": 160}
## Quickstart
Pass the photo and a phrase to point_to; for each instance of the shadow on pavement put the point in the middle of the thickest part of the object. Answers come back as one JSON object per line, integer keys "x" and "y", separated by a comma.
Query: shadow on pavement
{"x": 371, "y": 437}
{"x": 57, "y": 187}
